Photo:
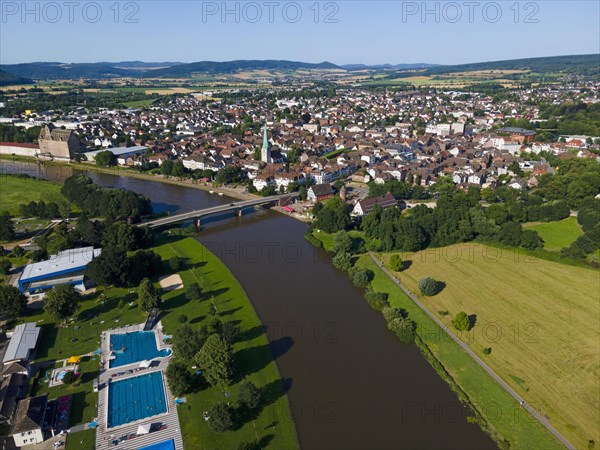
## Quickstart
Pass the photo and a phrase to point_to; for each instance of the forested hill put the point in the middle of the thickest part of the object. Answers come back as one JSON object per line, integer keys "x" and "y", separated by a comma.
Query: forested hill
{"x": 9, "y": 79}
{"x": 576, "y": 64}
{"x": 212, "y": 67}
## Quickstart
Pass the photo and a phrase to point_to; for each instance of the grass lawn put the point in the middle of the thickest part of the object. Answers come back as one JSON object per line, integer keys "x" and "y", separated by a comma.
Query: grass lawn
{"x": 557, "y": 235}
{"x": 14, "y": 191}
{"x": 272, "y": 427}
{"x": 540, "y": 319}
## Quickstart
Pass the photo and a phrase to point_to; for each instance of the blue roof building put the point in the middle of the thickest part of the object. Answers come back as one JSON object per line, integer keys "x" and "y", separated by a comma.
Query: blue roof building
{"x": 66, "y": 267}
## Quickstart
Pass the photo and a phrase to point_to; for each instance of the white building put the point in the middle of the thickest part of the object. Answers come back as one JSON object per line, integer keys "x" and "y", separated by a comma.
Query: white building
{"x": 29, "y": 421}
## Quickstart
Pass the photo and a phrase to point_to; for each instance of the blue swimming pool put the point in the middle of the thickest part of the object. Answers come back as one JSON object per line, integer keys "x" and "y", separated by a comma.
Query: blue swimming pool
{"x": 136, "y": 398}
{"x": 165, "y": 445}
{"x": 133, "y": 347}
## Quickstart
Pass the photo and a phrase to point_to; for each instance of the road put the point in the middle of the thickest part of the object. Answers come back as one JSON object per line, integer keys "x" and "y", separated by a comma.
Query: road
{"x": 540, "y": 418}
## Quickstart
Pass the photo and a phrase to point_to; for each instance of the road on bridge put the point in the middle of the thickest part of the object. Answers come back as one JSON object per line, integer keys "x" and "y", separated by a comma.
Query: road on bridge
{"x": 233, "y": 206}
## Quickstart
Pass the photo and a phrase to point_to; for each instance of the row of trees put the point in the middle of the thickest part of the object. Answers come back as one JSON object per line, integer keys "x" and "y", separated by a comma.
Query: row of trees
{"x": 43, "y": 210}
{"x": 111, "y": 203}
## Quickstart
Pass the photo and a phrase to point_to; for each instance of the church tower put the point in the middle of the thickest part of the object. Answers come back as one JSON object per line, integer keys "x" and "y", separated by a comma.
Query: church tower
{"x": 266, "y": 151}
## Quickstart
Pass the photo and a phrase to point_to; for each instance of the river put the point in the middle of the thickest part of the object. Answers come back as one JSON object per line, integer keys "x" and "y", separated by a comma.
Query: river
{"x": 351, "y": 383}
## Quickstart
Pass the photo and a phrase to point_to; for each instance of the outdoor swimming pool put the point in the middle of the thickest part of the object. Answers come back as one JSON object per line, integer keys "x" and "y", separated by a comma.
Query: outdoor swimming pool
{"x": 135, "y": 398}
{"x": 133, "y": 347}
{"x": 165, "y": 445}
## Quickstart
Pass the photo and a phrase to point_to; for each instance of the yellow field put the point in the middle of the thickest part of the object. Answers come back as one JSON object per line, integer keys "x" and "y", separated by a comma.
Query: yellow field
{"x": 540, "y": 319}
{"x": 168, "y": 91}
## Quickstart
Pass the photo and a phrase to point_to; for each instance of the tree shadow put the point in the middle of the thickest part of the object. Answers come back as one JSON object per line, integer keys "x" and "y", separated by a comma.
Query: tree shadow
{"x": 230, "y": 312}
{"x": 197, "y": 319}
{"x": 49, "y": 333}
{"x": 251, "y": 333}
{"x": 176, "y": 302}
{"x": 472, "y": 320}
{"x": 254, "y": 359}
{"x": 207, "y": 295}
{"x": 406, "y": 265}
{"x": 78, "y": 404}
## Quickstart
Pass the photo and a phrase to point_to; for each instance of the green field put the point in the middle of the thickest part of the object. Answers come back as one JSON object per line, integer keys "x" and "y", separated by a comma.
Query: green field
{"x": 540, "y": 319}
{"x": 271, "y": 426}
{"x": 15, "y": 190}
{"x": 557, "y": 235}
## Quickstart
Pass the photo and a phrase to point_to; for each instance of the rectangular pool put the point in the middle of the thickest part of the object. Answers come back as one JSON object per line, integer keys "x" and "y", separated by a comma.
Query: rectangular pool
{"x": 165, "y": 445}
{"x": 129, "y": 348}
{"x": 135, "y": 398}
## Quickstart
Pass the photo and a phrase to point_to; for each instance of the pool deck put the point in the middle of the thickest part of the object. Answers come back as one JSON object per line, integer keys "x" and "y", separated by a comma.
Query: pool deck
{"x": 104, "y": 436}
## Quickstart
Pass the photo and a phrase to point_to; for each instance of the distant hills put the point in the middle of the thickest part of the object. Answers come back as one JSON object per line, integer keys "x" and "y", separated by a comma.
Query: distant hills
{"x": 23, "y": 73}
{"x": 9, "y": 79}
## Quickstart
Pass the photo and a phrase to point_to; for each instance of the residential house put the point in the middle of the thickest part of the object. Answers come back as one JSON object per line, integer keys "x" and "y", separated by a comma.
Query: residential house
{"x": 363, "y": 207}
{"x": 28, "y": 421}
{"x": 319, "y": 192}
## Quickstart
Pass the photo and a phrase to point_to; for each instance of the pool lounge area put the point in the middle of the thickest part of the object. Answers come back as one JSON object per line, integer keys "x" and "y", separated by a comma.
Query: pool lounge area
{"x": 132, "y": 347}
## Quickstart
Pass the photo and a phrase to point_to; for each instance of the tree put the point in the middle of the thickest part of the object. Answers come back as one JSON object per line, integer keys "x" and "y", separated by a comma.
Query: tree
{"x": 193, "y": 292}
{"x": 106, "y": 159}
{"x": 179, "y": 378}
{"x": 396, "y": 263}
{"x": 249, "y": 395}
{"x": 342, "y": 261}
{"x": 334, "y": 216}
{"x": 12, "y": 302}
{"x": 428, "y": 286}
{"x": 462, "y": 322}
{"x": 111, "y": 267}
{"x": 531, "y": 240}
{"x": 187, "y": 342}
{"x": 5, "y": 266}
{"x": 342, "y": 242}
{"x": 148, "y": 295}
{"x": 69, "y": 377}
{"x": 7, "y": 230}
{"x": 18, "y": 251}
{"x": 220, "y": 418}
{"x": 61, "y": 302}
{"x": 216, "y": 361}
{"x": 377, "y": 300}
{"x": 166, "y": 168}
{"x": 230, "y": 332}
{"x": 360, "y": 277}
{"x": 404, "y": 328}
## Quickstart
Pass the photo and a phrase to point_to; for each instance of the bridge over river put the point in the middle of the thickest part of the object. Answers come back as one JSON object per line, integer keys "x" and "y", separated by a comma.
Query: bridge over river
{"x": 236, "y": 206}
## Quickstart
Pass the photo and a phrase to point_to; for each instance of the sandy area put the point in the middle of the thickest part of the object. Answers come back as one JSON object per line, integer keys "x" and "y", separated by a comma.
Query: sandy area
{"x": 171, "y": 282}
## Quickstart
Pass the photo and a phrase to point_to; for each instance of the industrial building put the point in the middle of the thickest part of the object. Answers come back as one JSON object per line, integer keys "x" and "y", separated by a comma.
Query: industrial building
{"x": 66, "y": 267}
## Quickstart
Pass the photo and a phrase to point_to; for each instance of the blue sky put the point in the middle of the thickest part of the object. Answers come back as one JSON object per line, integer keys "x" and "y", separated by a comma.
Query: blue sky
{"x": 341, "y": 32}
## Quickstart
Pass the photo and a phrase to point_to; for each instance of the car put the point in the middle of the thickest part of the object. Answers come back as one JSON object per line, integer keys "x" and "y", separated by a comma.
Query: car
{"x": 232, "y": 204}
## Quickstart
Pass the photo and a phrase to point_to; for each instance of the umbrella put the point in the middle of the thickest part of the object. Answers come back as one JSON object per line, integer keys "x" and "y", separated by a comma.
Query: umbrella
{"x": 145, "y": 363}
{"x": 143, "y": 429}
{"x": 74, "y": 359}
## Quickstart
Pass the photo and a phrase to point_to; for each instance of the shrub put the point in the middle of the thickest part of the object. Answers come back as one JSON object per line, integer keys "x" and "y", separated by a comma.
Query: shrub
{"x": 428, "y": 286}
{"x": 18, "y": 251}
{"x": 396, "y": 263}
{"x": 404, "y": 328}
{"x": 390, "y": 313}
{"x": 377, "y": 300}
{"x": 182, "y": 318}
{"x": 5, "y": 266}
{"x": 487, "y": 350}
{"x": 193, "y": 292}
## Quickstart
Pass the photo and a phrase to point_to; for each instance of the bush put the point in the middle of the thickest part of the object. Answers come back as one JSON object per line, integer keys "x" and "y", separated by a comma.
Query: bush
{"x": 313, "y": 240}
{"x": 182, "y": 318}
{"x": 377, "y": 300}
{"x": 462, "y": 322}
{"x": 396, "y": 263}
{"x": 404, "y": 328}
{"x": 18, "y": 251}
{"x": 487, "y": 350}
{"x": 428, "y": 286}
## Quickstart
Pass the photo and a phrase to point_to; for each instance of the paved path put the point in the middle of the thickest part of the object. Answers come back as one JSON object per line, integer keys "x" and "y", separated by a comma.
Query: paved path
{"x": 545, "y": 422}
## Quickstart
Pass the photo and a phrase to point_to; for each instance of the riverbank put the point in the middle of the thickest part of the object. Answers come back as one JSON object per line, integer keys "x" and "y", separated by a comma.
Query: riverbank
{"x": 271, "y": 426}
{"x": 236, "y": 192}
{"x": 496, "y": 411}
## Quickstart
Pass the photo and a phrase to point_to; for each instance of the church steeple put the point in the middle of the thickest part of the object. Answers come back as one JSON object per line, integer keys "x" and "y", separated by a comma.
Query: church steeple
{"x": 266, "y": 151}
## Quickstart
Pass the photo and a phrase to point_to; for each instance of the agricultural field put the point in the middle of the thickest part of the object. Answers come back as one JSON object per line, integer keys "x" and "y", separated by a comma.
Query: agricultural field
{"x": 539, "y": 318}
{"x": 557, "y": 235}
